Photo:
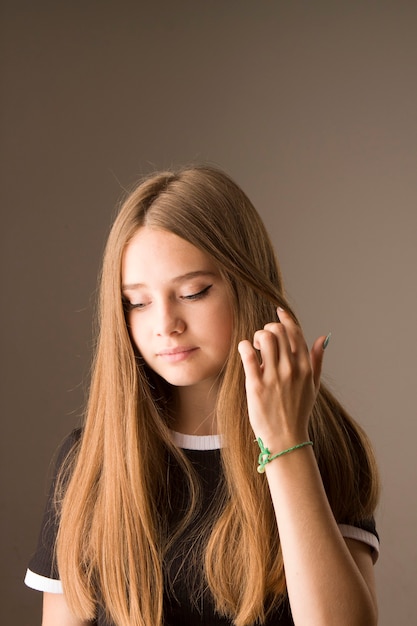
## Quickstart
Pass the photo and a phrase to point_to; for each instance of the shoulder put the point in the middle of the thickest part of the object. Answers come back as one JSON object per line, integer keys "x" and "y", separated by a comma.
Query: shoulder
{"x": 42, "y": 573}
{"x": 70, "y": 442}
{"x": 67, "y": 449}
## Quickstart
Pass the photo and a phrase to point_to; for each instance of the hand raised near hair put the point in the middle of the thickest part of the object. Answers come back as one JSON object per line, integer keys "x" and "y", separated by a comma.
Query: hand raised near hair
{"x": 282, "y": 388}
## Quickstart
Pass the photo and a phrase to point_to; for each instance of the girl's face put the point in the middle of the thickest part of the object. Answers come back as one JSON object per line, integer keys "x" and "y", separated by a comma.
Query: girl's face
{"x": 179, "y": 309}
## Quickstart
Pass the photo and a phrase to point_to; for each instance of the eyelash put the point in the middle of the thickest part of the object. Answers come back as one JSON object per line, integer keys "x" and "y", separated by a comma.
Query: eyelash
{"x": 198, "y": 295}
{"x": 129, "y": 306}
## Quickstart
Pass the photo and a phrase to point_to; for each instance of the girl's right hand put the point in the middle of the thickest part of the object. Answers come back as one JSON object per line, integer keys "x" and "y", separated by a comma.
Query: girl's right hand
{"x": 282, "y": 388}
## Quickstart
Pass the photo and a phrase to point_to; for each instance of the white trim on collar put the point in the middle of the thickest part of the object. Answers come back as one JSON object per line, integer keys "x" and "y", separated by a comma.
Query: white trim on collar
{"x": 197, "y": 442}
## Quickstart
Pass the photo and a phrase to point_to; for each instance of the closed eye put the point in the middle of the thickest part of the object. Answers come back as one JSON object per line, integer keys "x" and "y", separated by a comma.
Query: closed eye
{"x": 129, "y": 306}
{"x": 198, "y": 295}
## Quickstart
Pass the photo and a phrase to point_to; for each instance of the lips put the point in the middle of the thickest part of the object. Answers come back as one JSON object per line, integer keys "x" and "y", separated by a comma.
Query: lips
{"x": 176, "y": 354}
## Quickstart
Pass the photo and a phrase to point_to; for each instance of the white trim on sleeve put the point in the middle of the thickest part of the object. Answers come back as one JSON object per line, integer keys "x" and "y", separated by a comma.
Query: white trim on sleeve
{"x": 353, "y": 532}
{"x": 41, "y": 583}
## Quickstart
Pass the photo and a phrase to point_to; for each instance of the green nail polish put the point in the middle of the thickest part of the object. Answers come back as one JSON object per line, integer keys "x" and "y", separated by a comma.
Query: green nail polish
{"x": 326, "y": 341}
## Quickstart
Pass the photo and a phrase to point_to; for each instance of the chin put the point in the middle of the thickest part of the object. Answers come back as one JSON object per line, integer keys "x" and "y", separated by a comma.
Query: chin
{"x": 190, "y": 381}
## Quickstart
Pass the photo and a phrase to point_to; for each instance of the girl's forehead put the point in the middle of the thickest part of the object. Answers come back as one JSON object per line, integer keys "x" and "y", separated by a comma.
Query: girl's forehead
{"x": 159, "y": 254}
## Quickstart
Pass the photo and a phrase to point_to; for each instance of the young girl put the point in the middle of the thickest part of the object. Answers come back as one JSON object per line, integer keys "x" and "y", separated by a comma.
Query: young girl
{"x": 158, "y": 515}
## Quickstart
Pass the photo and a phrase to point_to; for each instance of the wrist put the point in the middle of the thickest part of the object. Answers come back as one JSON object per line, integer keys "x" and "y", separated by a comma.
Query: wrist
{"x": 278, "y": 440}
{"x": 266, "y": 456}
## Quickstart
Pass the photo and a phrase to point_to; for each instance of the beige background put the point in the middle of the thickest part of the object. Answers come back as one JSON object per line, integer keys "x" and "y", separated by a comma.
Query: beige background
{"x": 312, "y": 108}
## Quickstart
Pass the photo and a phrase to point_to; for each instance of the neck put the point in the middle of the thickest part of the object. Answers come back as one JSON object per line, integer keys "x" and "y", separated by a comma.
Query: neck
{"x": 194, "y": 411}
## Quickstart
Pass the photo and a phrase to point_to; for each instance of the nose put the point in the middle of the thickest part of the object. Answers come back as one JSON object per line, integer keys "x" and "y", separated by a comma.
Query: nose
{"x": 168, "y": 320}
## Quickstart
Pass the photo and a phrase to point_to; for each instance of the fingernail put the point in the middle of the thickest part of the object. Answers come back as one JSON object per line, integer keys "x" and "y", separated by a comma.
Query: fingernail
{"x": 326, "y": 341}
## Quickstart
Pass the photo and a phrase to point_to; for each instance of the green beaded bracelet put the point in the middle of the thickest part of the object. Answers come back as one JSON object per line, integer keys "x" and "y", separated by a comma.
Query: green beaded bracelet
{"x": 265, "y": 456}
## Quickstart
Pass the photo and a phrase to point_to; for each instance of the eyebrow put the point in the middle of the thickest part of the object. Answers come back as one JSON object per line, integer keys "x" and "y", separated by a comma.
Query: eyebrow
{"x": 177, "y": 279}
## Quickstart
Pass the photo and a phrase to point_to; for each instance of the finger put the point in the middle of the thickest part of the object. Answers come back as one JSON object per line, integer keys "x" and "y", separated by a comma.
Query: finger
{"x": 295, "y": 336}
{"x": 266, "y": 342}
{"x": 317, "y": 355}
{"x": 249, "y": 360}
{"x": 283, "y": 350}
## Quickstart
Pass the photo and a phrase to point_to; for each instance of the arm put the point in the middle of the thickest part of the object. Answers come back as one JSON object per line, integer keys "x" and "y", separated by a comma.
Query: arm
{"x": 329, "y": 581}
{"x": 56, "y": 611}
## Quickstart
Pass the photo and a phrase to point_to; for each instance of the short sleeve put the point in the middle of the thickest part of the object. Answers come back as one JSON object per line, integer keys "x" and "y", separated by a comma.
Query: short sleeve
{"x": 42, "y": 573}
{"x": 364, "y": 531}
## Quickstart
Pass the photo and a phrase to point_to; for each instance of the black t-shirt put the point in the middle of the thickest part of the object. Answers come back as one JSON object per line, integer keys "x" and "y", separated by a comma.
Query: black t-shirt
{"x": 178, "y": 608}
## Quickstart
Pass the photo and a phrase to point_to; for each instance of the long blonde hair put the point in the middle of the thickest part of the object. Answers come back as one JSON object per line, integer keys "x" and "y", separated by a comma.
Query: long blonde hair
{"x": 113, "y": 538}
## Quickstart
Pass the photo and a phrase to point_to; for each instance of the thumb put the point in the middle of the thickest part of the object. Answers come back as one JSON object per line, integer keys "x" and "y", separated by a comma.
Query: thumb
{"x": 317, "y": 354}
